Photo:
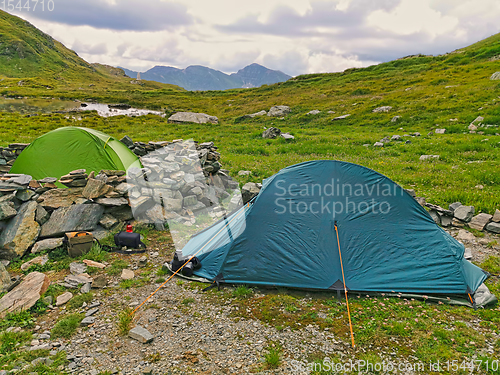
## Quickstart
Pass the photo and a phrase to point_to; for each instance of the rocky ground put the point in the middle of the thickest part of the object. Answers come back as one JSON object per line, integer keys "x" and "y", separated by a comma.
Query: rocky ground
{"x": 193, "y": 332}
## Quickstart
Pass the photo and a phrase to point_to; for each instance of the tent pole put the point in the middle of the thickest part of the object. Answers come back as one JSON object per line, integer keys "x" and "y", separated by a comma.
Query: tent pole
{"x": 345, "y": 288}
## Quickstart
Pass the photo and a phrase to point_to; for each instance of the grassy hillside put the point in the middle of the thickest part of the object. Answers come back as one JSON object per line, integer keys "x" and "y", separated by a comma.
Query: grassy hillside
{"x": 447, "y": 91}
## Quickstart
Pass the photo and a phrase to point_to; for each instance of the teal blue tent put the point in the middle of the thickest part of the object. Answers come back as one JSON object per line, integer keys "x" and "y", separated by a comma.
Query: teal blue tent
{"x": 286, "y": 237}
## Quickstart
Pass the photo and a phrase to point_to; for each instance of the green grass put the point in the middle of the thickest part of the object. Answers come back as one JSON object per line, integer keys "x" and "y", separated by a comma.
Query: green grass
{"x": 116, "y": 267}
{"x": 188, "y": 301}
{"x": 125, "y": 321}
{"x": 67, "y": 326}
{"x": 242, "y": 291}
{"x": 272, "y": 356}
{"x": 77, "y": 301}
{"x": 492, "y": 265}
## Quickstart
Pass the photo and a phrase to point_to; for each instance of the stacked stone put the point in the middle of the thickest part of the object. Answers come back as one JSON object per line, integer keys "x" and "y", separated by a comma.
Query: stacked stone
{"x": 77, "y": 178}
{"x": 9, "y": 154}
{"x": 178, "y": 181}
{"x": 141, "y": 148}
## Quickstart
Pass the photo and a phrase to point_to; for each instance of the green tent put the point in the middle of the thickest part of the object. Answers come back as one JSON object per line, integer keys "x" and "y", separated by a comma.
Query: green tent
{"x": 63, "y": 150}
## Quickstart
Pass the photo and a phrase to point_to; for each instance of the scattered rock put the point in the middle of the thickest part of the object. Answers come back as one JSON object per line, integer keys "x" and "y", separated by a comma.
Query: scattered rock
{"x": 4, "y": 278}
{"x": 396, "y": 118}
{"x": 127, "y": 274}
{"x": 76, "y": 268}
{"x": 496, "y": 216}
{"x": 454, "y": 206}
{"x": 41, "y": 215}
{"x": 493, "y": 227}
{"x": 480, "y": 221}
{"x": 92, "y": 311}
{"x": 57, "y": 198}
{"x": 435, "y": 216}
{"x": 313, "y": 112}
{"x": 89, "y": 320}
{"x": 385, "y": 108}
{"x": 378, "y": 144}
{"x": 141, "y": 334}
{"x": 464, "y": 235}
{"x": 41, "y": 260}
{"x": 287, "y": 136}
{"x": 63, "y": 298}
{"x": 396, "y": 137}
{"x": 72, "y": 281}
{"x": 244, "y": 173}
{"x": 7, "y": 211}
{"x": 25, "y": 295}
{"x": 464, "y": 213}
{"x": 256, "y": 114}
{"x": 92, "y": 263}
{"x": 446, "y": 221}
{"x": 271, "y": 133}
{"x": 108, "y": 221}
{"x": 440, "y": 131}
{"x": 495, "y": 76}
{"x": 197, "y": 118}
{"x": 428, "y": 157}
{"x": 142, "y": 261}
{"x": 279, "y": 111}
{"x": 341, "y": 117}
{"x": 95, "y": 189}
{"x": 48, "y": 244}
{"x": 100, "y": 282}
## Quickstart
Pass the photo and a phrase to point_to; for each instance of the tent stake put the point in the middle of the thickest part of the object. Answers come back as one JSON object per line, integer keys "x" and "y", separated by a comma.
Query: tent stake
{"x": 345, "y": 288}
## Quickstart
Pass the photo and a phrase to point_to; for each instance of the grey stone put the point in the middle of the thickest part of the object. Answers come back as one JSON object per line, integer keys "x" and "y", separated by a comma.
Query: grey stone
{"x": 440, "y": 131}
{"x": 21, "y": 179}
{"x": 112, "y": 202}
{"x": 81, "y": 217}
{"x": 72, "y": 281}
{"x": 385, "y": 108}
{"x": 4, "y": 278}
{"x": 77, "y": 268}
{"x": 141, "y": 334}
{"x": 435, "y": 216}
{"x": 86, "y": 288}
{"x": 495, "y": 76}
{"x": 341, "y": 117}
{"x": 95, "y": 188}
{"x": 173, "y": 204}
{"x": 248, "y": 191}
{"x": 46, "y": 180}
{"x": 464, "y": 235}
{"x": 244, "y": 173}
{"x": 446, "y": 221}
{"x": 428, "y": 157}
{"x": 190, "y": 200}
{"x": 41, "y": 215}
{"x": 57, "y": 198}
{"x": 127, "y": 141}
{"x": 25, "y": 295}
{"x": 378, "y": 144}
{"x": 7, "y": 211}
{"x": 87, "y": 321}
{"x": 395, "y": 118}
{"x": 40, "y": 260}
{"x": 48, "y": 244}
{"x": 493, "y": 227}
{"x": 496, "y": 216}
{"x": 20, "y": 232}
{"x": 100, "y": 282}
{"x": 271, "y": 133}
{"x": 464, "y": 213}
{"x": 63, "y": 298}
{"x": 197, "y": 118}
{"x": 279, "y": 111}
{"x": 92, "y": 311}
{"x": 480, "y": 221}
{"x": 108, "y": 221}
{"x": 127, "y": 274}
{"x": 468, "y": 253}
{"x": 287, "y": 136}
{"x": 25, "y": 195}
{"x": 411, "y": 192}
{"x": 142, "y": 261}
{"x": 454, "y": 206}
{"x": 396, "y": 137}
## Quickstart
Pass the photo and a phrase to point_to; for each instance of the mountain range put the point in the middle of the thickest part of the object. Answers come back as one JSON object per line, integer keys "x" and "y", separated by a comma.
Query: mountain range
{"x": 197, "y": 77}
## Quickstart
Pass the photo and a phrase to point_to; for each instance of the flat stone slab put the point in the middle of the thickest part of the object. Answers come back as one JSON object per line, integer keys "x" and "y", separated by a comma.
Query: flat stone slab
{"x": 48, "y": 244}
{"x": 141, "y": 334}
{"x": 56, "y": 198}
{"x": 25, "y": 295}
{"x": 197, "y": 118}
{"x": 464, "y": 213}
{"x": 480, "y": 221}
{"x": 127, "y": 274}
{"x": 87, "y": 321}
{"x": 63, "y": 298}
{"x": 464, "y": 235}
{"x": 493, "y": 227}
{"x": 91, "y": 263}
{"x": 41, "y": 260}
{"x": 80, "y": 217}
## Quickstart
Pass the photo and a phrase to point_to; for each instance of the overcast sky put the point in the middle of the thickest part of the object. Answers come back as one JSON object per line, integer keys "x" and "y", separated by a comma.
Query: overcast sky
{"x": 294, "y": 36}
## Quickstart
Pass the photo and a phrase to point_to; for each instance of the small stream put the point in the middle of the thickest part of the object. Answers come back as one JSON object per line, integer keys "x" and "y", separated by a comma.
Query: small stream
{"x": 44, "y": 106}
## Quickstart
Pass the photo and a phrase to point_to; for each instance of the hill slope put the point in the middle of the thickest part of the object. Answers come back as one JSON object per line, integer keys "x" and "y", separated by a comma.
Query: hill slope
{"x": 197, "y": 77}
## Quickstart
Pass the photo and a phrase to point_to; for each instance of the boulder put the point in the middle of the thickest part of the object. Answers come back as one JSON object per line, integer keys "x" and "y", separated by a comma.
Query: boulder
{"x": 48, "y": 244}
{"x": 496, "y": 216}
{"x": 440, "y": 131}
{"x": 378, "y": 144}
{"x": 7, "y": 211}
{"x": 41, "y": 215}
{"x": 25, "y": 295}
{"x": 271, "y": 133}
{"x": 495, "y": 76}
{"x": 57, "y": 198}
{"x": 25, "y": 195}
{"x": 197, "y": 118}
{"x": 454, "y": 206}
{"x": 464, "y": 213}
{"x": 279, "y": 111}
{"x": 287, "y": 136}
{"x": 249, "y": 190}
{"x": 435, "y": 216}
{"x": 81, "y": 217}
{"x": 4, "y": 278}
{"x": 252, "y": 115}
{"x": 446, "y": 221}
{"x": 141, "y": 334}
{"x": 385, "y": 108}
{"x": 127, "y": 141}
{"x": 20, "y": 233}
{"x": 480, "y": 221}
{"x": 493, "y": 227}
{"x": 396, "y": 137}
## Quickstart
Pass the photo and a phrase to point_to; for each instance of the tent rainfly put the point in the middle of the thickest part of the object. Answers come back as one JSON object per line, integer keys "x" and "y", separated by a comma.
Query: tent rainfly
{"x": 63, "y": 150}
{"x": 286, "y": 237}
